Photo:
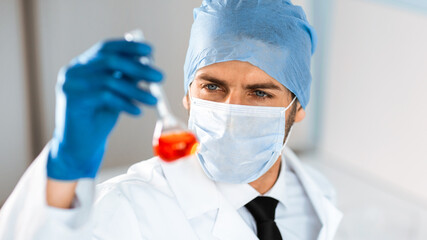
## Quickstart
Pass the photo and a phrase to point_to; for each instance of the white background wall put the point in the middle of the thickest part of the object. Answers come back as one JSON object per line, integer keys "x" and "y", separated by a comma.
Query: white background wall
{"x": 375, "y": 95}
{"x": 373, "y": 142}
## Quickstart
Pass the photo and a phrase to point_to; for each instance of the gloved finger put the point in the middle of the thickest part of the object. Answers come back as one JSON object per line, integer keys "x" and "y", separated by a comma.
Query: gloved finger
{"x": 102, "y": 99}
{"x": 112, "y": 101}
{"x": 133, "y": 68}
{"x": 124, "y": 47}
{"x": 127, "y": 87}
{"x": 115, "y": 63}
{"x": 80, "y": 85}
{"x": 130, "y": 90}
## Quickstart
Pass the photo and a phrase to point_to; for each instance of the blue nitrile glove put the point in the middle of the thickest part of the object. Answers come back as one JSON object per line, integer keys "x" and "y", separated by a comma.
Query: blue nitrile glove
{"x": 91, "y": 93}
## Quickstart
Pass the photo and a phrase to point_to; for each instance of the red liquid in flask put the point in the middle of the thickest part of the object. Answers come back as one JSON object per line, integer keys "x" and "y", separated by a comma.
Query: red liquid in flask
{"x": 174, "y": 145}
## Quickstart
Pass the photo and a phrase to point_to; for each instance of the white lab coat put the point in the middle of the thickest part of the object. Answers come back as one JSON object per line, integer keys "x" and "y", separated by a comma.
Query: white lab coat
{"x": 154, "y": 200}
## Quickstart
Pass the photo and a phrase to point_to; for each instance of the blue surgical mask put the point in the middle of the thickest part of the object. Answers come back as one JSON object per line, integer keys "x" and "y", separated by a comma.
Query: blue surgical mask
{"x": 238, "y": 143}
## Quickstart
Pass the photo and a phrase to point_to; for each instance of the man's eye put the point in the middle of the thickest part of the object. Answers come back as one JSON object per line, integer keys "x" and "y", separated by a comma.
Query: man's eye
{"x": 261, "y": 94}
{"x": 212, "y": 87}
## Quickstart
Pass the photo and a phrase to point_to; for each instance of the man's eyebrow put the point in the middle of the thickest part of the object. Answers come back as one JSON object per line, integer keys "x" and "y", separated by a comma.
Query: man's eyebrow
{"x": 215, "y": 80}
{"x": 212, "y": 79}
{"x": 263, "y": 86}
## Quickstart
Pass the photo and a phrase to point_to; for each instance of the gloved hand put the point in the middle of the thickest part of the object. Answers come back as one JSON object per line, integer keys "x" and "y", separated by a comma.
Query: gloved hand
{"x": 91, "y": 93}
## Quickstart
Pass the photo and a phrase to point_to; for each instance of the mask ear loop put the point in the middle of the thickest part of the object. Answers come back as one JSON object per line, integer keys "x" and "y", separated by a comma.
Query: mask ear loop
{"x": 290, "y": 129}
{"x": 189, "y": 93}
{"x": 287, "y": 137}
{"x": 290, "y": 104}
{"x": 284, "y": 165}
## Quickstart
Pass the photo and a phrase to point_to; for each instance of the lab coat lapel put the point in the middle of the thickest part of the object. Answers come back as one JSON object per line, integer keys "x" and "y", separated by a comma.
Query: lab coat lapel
{"x": 331, "y": 218}
{"x": 194, "y": 193}
{"x": 229, "y": 225}
{"x": 197, "y": 194}
{"x": 328, "y": 214}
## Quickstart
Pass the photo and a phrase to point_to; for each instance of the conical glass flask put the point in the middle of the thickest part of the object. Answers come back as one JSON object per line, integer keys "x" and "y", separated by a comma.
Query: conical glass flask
{"x": 171, "y": 139}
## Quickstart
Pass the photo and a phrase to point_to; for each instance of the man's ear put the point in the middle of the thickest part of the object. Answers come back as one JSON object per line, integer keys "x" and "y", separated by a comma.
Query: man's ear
{"x": 300, "y": 114}
{"x": 186, "y": 102}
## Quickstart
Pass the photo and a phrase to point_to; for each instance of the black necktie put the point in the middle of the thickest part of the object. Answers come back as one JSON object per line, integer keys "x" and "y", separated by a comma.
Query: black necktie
{"x": 263, "y": 210}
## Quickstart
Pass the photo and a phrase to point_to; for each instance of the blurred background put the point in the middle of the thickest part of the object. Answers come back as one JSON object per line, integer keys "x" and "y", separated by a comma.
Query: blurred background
{"x": 366, "y": 123}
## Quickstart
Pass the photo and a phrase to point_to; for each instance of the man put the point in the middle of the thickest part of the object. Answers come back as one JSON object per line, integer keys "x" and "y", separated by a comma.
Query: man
{"x": 247, "y": 80}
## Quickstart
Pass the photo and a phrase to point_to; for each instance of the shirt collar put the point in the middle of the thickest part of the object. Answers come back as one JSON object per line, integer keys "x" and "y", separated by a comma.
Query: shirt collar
{"x": 237, "y": 194}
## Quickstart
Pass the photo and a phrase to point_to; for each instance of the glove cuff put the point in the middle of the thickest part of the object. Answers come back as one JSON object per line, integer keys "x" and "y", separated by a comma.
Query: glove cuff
{"x": 62, "y": 166}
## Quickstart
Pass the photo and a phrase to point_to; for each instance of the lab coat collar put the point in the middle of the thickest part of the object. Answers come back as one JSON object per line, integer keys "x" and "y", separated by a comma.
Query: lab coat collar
{"x": 194, "y": 191}
{"x": 229, "y": 225}
{"x": 328, "y": 214}
{"x": 197, "y": 194}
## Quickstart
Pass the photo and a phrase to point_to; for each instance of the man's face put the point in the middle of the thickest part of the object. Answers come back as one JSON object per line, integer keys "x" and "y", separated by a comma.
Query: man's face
{"x": 237, "y": 82}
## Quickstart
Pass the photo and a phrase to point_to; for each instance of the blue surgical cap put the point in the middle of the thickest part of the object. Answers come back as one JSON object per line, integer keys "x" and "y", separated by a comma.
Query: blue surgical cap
{"x": 273, "y": 35}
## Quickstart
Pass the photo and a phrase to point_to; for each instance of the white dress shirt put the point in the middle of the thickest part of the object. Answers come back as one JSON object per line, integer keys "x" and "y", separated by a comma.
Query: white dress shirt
{"x": 295, "y": 215}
